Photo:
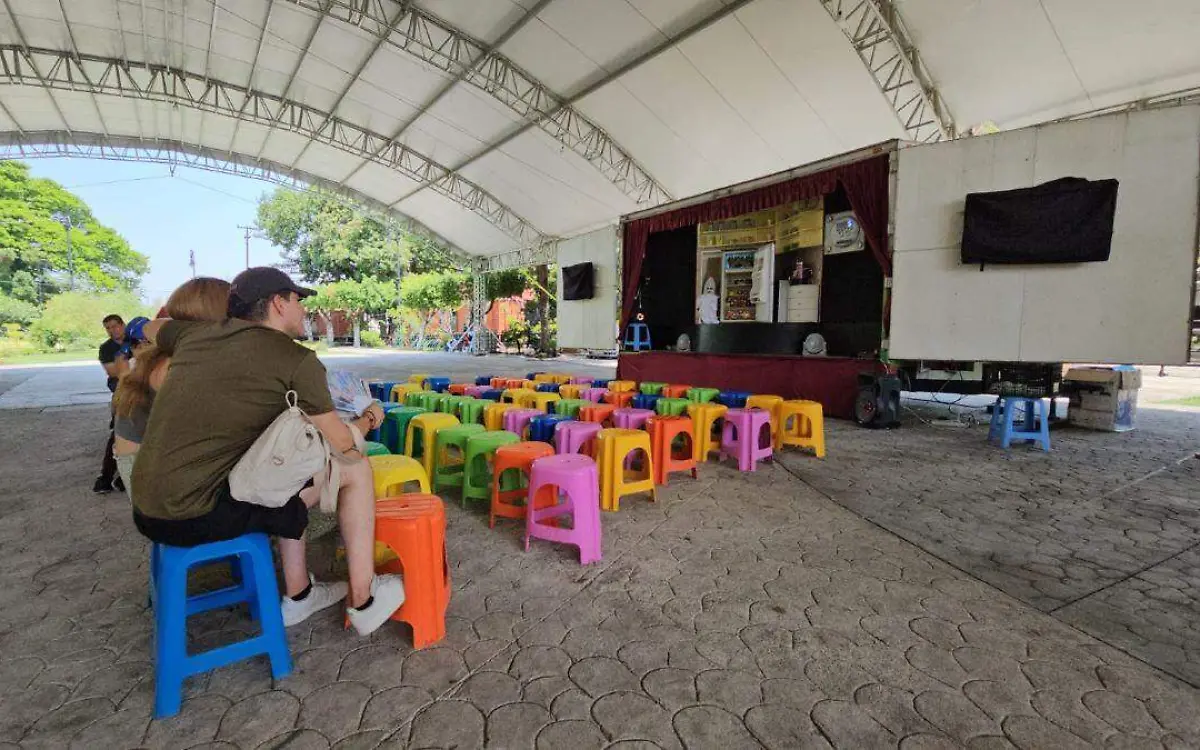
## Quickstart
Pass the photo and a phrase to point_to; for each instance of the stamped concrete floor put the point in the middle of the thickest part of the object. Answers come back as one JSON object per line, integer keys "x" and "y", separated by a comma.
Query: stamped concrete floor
{"x": 913, "y": 589}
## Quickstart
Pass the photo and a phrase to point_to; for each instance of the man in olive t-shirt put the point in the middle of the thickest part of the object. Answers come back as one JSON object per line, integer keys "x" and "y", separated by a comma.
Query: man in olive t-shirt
{"x": 227, "y": 383}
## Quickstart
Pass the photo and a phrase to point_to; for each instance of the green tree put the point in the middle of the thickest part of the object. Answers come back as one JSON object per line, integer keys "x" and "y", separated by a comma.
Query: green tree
{"x": 505, "y": 284}
{"x": 72, "y": 320}
{"x": 14, "y": 310}
{"x": 36, "y": 261}
{"x": 356, "y": 299}
{"x": 427, "y": 294}
{"x": 326, "y": 239}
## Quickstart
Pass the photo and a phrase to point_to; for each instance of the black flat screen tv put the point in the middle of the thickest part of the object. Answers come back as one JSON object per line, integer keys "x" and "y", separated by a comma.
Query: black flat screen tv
{"x": 578, "y": 281}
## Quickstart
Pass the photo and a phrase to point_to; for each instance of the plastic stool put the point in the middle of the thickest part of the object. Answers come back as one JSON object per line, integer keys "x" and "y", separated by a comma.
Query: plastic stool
{"x": 599, "y": 413}
{"x": 569, "y": 407}
{"x": 582, "y": 380}
{"x": 801, "y": 424}
{"x": 477, "y": 474}
{"x": 645, "y": 401}
{"x": 391, "y": 473}
{"x": 395, "y": 426}
{"x": 399, "y": 392}
{"x": 701, "y": 395}
{"x": 450, "y": 404}
{"x": 664, "y": 431}
{"x": 543, "y": 402}
{"x": 483, "y": 380}
{"x": 540, "y": 377}
{"x": 742, "y": 437}
{"x": 519, "y": 396}
{"x": 421, "y": 439}
{"x": 491, "y": 394}
{"x": 419, "y": 378}
{"x": 542, "y": 427}
{"x": 381, "y": 390}
{"x": 548, "y": 387}
{"x": 518, "y": 457}
{"x": 493, "y": 415}
{"x": 372, "y": 448}
{"x": 671, "y": 407}
{"x": 1004, "y": 417}
{"x": 600, "y": 383}
{"x": 615, "y": 448}
{"x": 514, "y": 383}
{"x": 516, "y": 420}
{"x": 575, "y": 480}
{"x": 631, "y": 419}
{"x": 441, "y": 385}
{"x": 570, "y": 391}
{"x": 498, "y": 383}
{"x": 772, "y": 405}
{"x": 733, "y": 399}
{"x": 675, "y": 391}
{"x": 561, "y": 378}
{"x": 476, "y": 391}
{"x": 621, "y": 400}
{"x": 172, "y": 606}
{"x": 470, "y": 410}
{"x": 416, "y": 398}
{"x": 637, "y": 337}
{"x": 595, "y": 395}
{"x": 451, "y": 455}
{"x": 620, "y": 386}
{"x": 458, "y": 389}
{"x": 704, "y": 420}
{"x": 648, "y": 387}
{"x": 413, "y": 527}
{"x": 576, "y": 437}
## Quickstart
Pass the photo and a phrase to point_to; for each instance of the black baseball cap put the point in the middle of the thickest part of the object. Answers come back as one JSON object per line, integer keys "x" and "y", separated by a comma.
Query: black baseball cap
{"x": 261, "y": 282}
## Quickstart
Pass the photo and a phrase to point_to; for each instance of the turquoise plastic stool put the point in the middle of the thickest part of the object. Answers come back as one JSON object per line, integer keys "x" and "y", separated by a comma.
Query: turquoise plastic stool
{"x": 373, "y": 448}
{"x": 637, "y": 337}
{"x": 1035, "y": 426}
{"x": 395, "y": 426}
{"x": 168, "y": 572}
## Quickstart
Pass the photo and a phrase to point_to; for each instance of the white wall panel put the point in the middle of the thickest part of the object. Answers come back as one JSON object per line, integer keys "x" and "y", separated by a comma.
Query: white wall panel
{"x": 1133, "y": 308}
{"x": 590, "y": 324}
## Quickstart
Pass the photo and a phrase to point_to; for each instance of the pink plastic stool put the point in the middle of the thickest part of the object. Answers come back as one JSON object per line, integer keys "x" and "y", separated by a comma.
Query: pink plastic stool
{"x": 631, "y": 419}
{"x": 576, "y": 483}
{"x": 517, "y": 420}
{"x": 476, "y": 391}
{"x": 744, "y": 436}
{"x": 570, "y": 437}
{"x": 593, "y": 394}
{"x": 582, "y": 380}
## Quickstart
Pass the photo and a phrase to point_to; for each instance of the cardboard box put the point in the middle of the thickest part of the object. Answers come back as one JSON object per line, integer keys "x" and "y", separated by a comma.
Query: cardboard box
{"x": 1100, "y": 398}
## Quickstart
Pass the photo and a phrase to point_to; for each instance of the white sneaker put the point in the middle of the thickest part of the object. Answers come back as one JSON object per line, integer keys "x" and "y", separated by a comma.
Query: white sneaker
{"x": 321, "y": 596}
{"x": 388, "y": 594}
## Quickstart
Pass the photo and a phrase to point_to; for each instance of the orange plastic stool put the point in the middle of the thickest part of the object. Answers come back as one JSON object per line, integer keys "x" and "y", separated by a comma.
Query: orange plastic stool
{"x": 675, "y": 391}
{"x": 458, "y": 389}
{"x": 514, "y": 383}
{"x": 518, "y": 456}
{"x": 666, "y": 458}
{"x": 620, "y": 400}
{"x": 499, "y": 383}
{"x": 414, "y": 528}
{"x": 599, "y": 413}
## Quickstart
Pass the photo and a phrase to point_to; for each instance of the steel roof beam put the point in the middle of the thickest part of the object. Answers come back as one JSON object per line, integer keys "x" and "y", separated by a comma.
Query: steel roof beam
{"x": 440, "y": 44}
{"x": 101, "y": 75}
{"x": 881, "y": 40}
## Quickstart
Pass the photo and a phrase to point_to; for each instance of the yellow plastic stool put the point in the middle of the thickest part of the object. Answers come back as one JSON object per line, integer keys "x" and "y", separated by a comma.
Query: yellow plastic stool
{"x": 614, "y": 446}
{"x": 542, "y": 401}
{"x": 561, "y": 378}
{"x": 493, "y": 416}
{"x": 427, "y": 426}
{"x": 570, "y": 391}
{"x": 399, "y": 393}
{"x": 544, "y": 377}
{"x": 802, "y": 424}
{"x": 621, "y": 386}
{"x": 393, "y": 472}
{"x": 418, "y": 379}
{"x": 703, "y": 416}
{"x": 522, "y": 397}
{"x": 770, "y": 404}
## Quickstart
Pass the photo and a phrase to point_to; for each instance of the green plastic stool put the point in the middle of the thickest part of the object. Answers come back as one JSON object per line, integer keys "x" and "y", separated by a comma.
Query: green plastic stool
{"x": 470, "y": 411}
{"x": 417, "y": 398}
{"x": 376, "y": 449}
{"x": 449, "y": 404}
{"x": 481, "y": 448}
{"x": 570, "y": 406}
{"x": 702, "y": 395}
{"x": 396, "y": 426}
{"x": 672, "y": 407}
{"x": 652, "y": 389}
{"x": 448, "y": 472}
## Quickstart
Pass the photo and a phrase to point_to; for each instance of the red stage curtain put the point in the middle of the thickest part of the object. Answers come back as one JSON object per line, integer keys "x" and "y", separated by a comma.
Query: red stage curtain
{"x": 865, "y": 183}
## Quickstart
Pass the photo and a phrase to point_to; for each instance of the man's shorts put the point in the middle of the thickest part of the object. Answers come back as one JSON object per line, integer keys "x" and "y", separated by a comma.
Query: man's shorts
{"x": 228, "y": 519}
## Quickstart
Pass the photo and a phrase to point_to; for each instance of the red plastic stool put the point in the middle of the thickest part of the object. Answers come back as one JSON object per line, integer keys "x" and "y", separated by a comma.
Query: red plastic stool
{"x": 675, "y": 391}
{"x": 620, "y": 400}
{"x": 518, "y": 457}
{"x": 600, "y": 413}
{"x": 667, "y": 458}
{"x": 414, "y": 527}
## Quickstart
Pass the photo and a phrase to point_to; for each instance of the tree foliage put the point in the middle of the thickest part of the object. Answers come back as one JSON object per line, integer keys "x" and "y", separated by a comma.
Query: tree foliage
{"x": 326, "y": 239}
{"x": 14, "y": 310}
{"x": 72, "y": 320}
{"x": 34, "y": 262}
{"x": 355, "y": 298}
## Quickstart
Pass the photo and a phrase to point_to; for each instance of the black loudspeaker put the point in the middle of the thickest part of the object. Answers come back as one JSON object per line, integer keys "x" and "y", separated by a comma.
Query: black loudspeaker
{"x": 878, "y": 402}
{"x": 578, "y": 281}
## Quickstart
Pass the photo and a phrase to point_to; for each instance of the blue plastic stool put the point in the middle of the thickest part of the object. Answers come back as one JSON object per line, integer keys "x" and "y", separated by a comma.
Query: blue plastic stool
{"x": 484, "y": 380}
{"x": 541, "y": 428}
{"x": 492, "y": 394}
{"x": 376, "y": 390}
{"x": 600, "y": 383}
{"x": 439, "y": 385}
{"x": 645, "y": 401}
{"x": 637, "y": 337}
{"x": 1034, "y": 427}
{"x": 547, "y": 387}
{"x": 733, "y": 399}
{"x": 532, "y": 375}
{"x": 168, "y": 575}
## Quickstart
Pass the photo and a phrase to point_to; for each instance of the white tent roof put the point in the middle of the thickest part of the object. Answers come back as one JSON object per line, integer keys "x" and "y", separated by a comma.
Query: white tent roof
{"x": 501, "y": 124}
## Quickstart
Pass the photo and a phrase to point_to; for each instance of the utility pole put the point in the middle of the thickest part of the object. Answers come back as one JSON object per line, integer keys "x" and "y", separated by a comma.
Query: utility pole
{"x": 243, "y": 226}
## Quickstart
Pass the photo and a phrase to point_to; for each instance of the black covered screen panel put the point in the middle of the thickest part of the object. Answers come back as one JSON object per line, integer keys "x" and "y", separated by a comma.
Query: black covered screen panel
{"x": 1063, "y": 221}
{"x": 578, "y": 281}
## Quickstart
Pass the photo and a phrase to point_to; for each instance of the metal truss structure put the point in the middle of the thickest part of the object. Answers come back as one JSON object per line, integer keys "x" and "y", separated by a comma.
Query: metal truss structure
{"x": 478, "y": 305}
{"x": 440, "y": 44}
{"x": 543, "y": 253}
{"x": 1179, "y": 98}
{"x": 42, "y": 144}
{"x": 877, "y": 33}
{"x": 57, "y": 69}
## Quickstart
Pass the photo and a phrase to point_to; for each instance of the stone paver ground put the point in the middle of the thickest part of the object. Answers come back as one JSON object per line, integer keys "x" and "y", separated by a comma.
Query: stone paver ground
{"x": 913, "y": 589}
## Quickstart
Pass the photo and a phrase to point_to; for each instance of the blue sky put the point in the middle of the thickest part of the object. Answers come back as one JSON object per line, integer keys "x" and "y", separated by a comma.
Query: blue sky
{"x": 164, "y": 216}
